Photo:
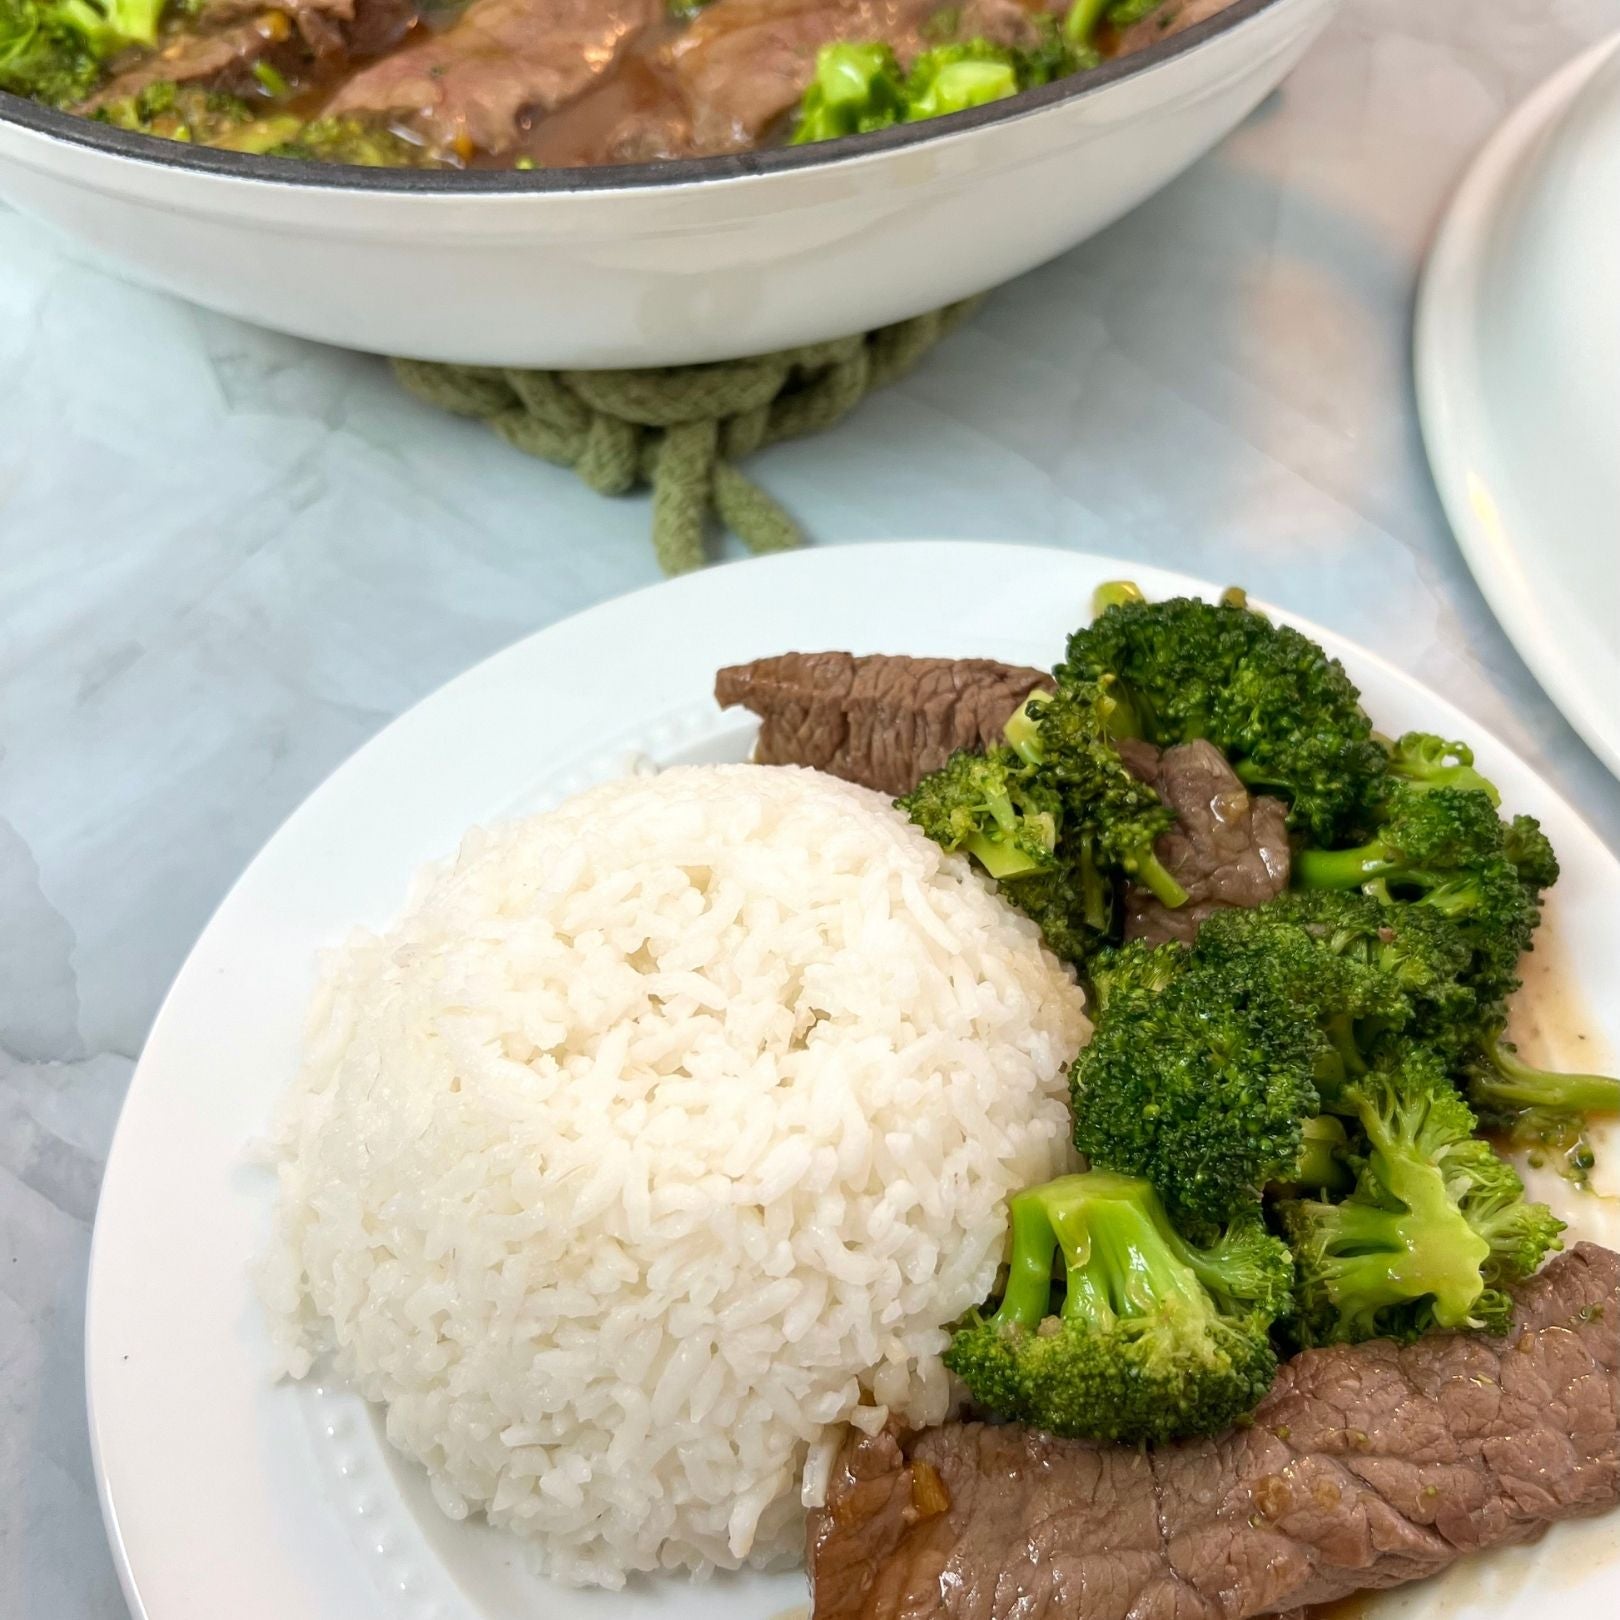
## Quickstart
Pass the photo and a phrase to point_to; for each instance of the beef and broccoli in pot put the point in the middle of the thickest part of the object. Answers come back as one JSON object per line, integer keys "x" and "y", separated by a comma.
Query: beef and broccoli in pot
{"x": 521, "y": 84}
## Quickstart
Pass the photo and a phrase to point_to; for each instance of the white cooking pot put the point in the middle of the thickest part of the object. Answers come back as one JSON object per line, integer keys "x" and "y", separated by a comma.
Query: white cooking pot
{"x": 693, "y": 259}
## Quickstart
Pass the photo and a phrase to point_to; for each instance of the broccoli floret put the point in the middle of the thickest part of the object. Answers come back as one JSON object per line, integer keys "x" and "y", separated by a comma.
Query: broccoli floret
{"x": 1203, "y": 1088}
{"x": 1531, "y": 852}
{"x": 1425, "y": 760}
{"x": 1133, "y": 975}
{"x": 1085, "y": 17}
{"x": 1155, "y": 1337}
{"x": 1120, "y": 818}
{"x": 54, "y": 50}
{"x": 950, "y": 78}
{"x": 1435, "y": 1228}
{"x": 1054, "y": 816}
{"x": 363, "y": 142}
{"x": 855, "y": 89}
{"x": 1283, "y": 712}
{"x": 1426, "y": 837}
{"x": 995, "y": 806}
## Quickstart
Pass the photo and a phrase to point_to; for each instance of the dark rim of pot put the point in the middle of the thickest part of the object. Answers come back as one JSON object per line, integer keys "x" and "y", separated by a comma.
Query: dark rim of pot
{"x": 154, "y": 150}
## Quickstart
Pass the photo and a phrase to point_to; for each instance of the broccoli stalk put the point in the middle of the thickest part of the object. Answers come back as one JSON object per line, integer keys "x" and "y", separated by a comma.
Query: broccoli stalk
{"x": 1501, "y": 1085}
{"x": 1435, "y": 1227}
{"x": 1155, "y": 1337}
{"x": 1428, "y": 837}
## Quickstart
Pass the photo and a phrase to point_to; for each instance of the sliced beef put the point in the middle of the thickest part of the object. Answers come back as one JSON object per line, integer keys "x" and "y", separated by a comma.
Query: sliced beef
{"x": 743, "y": 64}
{"x": 1229, "y": 847}
{"x": 1365, "y": 1467}
{"x": 882, "y": 721}
{"x": 236, "y": 34}
{"x": 468, "y": 87}
{"x": 190, "y": 59}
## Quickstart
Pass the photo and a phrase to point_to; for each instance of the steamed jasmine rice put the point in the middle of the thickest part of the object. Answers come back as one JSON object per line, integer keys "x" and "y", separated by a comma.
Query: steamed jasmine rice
{"x": 664, "y": 1134}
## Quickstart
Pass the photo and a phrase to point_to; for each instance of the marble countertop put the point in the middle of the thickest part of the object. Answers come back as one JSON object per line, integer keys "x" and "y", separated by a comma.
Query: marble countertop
{"x": 227, "y": 558}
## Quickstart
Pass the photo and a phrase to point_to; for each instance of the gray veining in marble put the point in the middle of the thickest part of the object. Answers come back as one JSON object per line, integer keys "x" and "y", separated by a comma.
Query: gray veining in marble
{"x": 226, "y": 558}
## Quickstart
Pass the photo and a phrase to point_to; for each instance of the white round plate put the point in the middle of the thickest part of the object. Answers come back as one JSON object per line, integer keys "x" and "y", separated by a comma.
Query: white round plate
{"x": 229, "y": 1495}
{"x": 1517, "y": 353}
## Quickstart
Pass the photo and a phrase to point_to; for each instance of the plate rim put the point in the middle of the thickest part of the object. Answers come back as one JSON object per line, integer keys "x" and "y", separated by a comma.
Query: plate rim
{"x": 1098, "y": 566}
{"x": 1453, "y": 418}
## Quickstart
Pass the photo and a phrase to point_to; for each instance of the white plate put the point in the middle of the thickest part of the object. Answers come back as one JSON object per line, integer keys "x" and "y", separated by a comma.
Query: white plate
{"x": 227, "y": 1495}
{"x": 1518, "y": 379}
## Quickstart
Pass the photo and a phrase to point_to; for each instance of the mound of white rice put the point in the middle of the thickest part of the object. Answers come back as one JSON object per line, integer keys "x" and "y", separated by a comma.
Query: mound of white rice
{"x": 662, "y": 1133}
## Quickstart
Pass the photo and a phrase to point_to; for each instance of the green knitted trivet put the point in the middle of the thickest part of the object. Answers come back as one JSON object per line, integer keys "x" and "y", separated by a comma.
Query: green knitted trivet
{"x": 682, "y": 428}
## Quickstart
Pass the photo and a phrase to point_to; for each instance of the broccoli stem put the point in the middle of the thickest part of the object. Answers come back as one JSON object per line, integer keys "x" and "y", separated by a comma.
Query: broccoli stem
{"x": 1023, "y": 730}
{"x": 1429, "y": 1248}
{"x": 1321, "y": 1165}
{"x": 1113, "y": 592}
{"x": 1028, "y": 1295}
{"x": 1146, "y": 868}
{"x": 1339, "y": 868}
{"x": 1505, "y": 1080}
{"x": 1001, "y": 861}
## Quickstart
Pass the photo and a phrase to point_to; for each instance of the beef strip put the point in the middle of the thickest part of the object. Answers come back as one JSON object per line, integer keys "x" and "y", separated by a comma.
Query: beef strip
{"x": 236, "y": 34}
{"x": 1228, "y": 848}
{"x": 743, "y": 64}
{"x": 499, "y": 60}
{"x": 882, "y": 721}
{"x": 1365, "y": 1467}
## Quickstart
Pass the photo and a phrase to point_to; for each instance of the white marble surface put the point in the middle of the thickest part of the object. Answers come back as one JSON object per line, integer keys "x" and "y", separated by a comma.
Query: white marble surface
{"x": 226, "y": 558}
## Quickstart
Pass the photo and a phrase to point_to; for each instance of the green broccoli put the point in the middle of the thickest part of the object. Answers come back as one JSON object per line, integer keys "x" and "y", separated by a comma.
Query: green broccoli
{"x": 1085, "y": 17}
{"x": 994, "y": 806}
{"x": 1155, "y": 1337}
{"x": 1435, "y": 1229}
{"x": 1065, "y": 735}
{"x": 1426, "y": 837}
{"x": 1283, "y": 712}
{"x": 1133, "y": 975}
{"x": 1501, "y": 1084}
{"x": 365, "y": 143}
{"x": 55, "y": 50}
{"x": 950, "y": 78}
{"x": 1203, "y": 1088}
{"x": 855, "y": 89}
{"x": 1425, "y": 760}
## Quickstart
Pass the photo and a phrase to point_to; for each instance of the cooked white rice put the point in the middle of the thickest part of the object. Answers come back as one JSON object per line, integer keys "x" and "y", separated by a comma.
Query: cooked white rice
{"x": 662, "y": 1133}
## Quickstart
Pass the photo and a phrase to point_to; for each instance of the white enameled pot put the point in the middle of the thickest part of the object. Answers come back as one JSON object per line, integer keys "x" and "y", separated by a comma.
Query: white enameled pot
{"x": 682, "y": 261}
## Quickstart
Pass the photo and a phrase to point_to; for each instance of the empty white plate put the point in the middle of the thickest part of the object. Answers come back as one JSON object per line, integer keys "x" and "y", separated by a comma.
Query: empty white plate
{"x": 1518, "y": 379}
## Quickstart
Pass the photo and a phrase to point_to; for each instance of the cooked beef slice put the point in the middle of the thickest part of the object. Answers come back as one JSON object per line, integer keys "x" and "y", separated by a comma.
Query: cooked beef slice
{"x": 743, "y": 64}
{"x": 882, "y": 721}
{"x": 500, "y": 59}
{"x": 1228, "y": 848}
{"x": 236, "y": 34}
{"x": 1366, "y": 1466}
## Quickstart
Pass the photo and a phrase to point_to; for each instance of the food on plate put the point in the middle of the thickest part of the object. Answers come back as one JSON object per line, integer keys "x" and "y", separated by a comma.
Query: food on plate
{"x": 734, "y": 1141}
{"x": 662, "y": 1132}
{"x": 530, "y": 83}
{"x": 1113, "y": 1324}
{"x": 884, "y": 722}
{"x": 1365, "y": 1467}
